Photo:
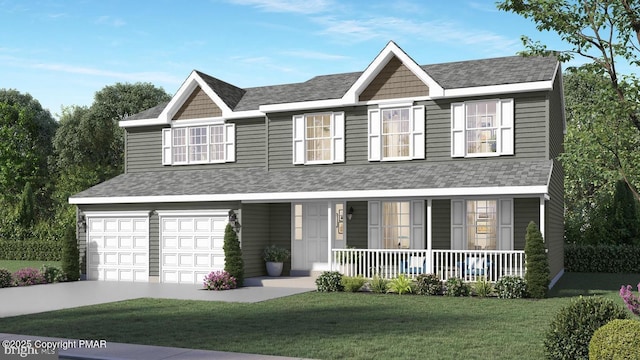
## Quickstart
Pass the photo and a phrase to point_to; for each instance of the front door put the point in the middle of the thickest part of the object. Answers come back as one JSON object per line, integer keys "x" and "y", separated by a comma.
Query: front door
{"x": 311, "y": 241}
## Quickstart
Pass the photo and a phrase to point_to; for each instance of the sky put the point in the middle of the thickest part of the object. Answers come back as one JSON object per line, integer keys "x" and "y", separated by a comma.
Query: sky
{"x": 62, "y": 52}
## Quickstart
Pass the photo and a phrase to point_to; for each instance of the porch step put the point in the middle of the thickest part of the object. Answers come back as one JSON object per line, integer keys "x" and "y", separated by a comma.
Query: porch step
{"x": 304, "y": 282}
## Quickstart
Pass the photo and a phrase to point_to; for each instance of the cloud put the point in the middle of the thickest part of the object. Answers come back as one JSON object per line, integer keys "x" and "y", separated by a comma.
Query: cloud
{"x": 315, "y": 55}
{"x": 155, "y": 77}
{"x": 110, "y": 21}
{"x": 288, "y": 6}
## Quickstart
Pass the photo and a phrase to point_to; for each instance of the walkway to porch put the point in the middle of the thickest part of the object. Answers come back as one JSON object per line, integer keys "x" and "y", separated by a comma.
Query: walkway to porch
{"x": 470, "y": 265}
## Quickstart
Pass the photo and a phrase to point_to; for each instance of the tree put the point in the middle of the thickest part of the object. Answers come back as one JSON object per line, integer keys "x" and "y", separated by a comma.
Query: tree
{"x": 233, "y": 263}
{"x": 604, "y": 32}
{"x": 625, "y": 223}
{"x": 537, "y": 264}
{"x": 26, "y": 130}
{"x": 590, "y": 168}
{"x": 70, "y": 254}
{"x": 25, "y": 211}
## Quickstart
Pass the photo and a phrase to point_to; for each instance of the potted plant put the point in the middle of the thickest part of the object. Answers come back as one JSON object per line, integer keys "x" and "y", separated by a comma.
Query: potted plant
{"x": 275, "y": 257}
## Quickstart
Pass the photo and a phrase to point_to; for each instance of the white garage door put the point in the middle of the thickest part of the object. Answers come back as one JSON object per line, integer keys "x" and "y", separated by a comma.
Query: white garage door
{"x": 191, "y": 246}
{"x": 118, "y": 247}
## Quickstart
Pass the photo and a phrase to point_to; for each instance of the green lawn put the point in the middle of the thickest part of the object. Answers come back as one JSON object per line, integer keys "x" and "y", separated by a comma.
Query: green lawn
{"x": 331, "y": 325}
{"x": 15, "y": 265}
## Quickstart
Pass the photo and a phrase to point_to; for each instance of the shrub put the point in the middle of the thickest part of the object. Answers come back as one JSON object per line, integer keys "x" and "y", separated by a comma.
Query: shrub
{"x": 31, "y": 250}
{"x": 6, "y": 279}
{"x": 428, "y": 284}
{"x": 601, "y": 258}
{"x": 219, "y": 280}
{"x": 536, "y": 262}
{"x": 52, "y": 274}
{"x": 233, "y": 263}
{"x": 352, "y": 283}
{"x": 511, "y": 287}
{"x": 378, "y": 285}
{"x": 28, "y": 276}
{"x": 571, "y": 328}
{"x": 483, "y": 288}
{"x": 618, "y": 339}
{"x": 329, "y": 281}
{"x": 456, "y": 287}
{"x": 401, "y": 284}
{"x": 632, "y": 302}
{"x": 70, "y": 254}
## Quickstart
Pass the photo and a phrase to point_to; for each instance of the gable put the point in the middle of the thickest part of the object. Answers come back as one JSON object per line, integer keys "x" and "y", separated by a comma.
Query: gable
{"x": 395, "y": 80}
{"x": 198, "y": 105}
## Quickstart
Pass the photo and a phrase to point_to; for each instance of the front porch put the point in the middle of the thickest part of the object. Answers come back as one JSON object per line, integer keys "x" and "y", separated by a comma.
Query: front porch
{"x": 470, "y": 265}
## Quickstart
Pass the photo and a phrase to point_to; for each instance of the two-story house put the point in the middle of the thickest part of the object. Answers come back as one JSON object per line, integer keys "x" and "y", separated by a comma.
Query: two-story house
{"x": 398, "y": 168}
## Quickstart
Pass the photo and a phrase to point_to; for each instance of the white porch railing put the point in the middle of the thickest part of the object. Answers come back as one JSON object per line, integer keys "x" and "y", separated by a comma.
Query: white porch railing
{"x": 470, "y": 265}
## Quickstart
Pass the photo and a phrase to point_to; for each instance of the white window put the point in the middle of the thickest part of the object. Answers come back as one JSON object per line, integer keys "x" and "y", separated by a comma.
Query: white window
{"x": 318, "y": 138}
{"x": 396, "y": 224}
{"x": 482, "y": 128}
{"x": 198, "y": 144}
{"x": 397, "y": 133}
{"x": 482, "y": 224}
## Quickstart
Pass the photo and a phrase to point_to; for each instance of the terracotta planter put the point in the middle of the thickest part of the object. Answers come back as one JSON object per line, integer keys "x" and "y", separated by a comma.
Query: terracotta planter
{"x": 274, "y": 268}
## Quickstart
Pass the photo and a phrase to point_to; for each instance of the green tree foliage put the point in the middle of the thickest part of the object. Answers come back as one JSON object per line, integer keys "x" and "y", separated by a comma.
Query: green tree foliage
{"x": 233, "y": 263}
{"x": 625, "y": 223}
{"x": 604, "y": 32}
{"x": 26, "y": 130}
{"x": 536, "y": 262}
{"x": 70, "y": 254}
{"x": 25, "y": 211}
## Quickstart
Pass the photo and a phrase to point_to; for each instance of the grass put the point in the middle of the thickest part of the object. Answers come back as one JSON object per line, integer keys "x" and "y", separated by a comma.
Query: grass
{"x": 15, "y": 265}
{"x": 331, "y": 325}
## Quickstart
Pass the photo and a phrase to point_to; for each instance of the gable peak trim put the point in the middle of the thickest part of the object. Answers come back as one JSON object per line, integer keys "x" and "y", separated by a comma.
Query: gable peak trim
{"x": 184, "y": 92}
{"x": 390, "y": 51}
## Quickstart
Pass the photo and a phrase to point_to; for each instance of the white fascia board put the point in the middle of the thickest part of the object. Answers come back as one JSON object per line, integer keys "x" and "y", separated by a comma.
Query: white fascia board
{"x": 319, "y": 195}
{"x": 177, "y": 213}
{"x": 116, "y": 213}
{"x": 497, "y": 89}
{"x": 303, "y": 105}
{"x": 380, "y": 62}
{"x": 141, "y": 122}
{"x": 248, "y": 114}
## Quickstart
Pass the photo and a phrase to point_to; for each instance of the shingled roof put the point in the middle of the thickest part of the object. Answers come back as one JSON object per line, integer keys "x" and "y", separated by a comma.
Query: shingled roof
{"x": 452, "y": 75}
{"x": 234, "y": 181}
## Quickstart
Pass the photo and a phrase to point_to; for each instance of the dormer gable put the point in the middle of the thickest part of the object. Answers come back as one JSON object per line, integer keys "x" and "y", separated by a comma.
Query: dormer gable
{"x": 390, "y": 68}
{"x": 197, "y": 99}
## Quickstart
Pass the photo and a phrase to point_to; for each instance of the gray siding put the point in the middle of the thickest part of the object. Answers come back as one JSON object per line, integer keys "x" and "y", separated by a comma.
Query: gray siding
{"x": 441, "y": 217}
{"x": 255, "y": 237}
{"x": 554, "y": 236}
{"x": 144, "y": 148}
{"x": 525, "y": 210}
{"x": 357, "y": 226}
{"x": 556, "y": 119}
{"x": 280, "y": 229}
{"x": 530, "y": 133}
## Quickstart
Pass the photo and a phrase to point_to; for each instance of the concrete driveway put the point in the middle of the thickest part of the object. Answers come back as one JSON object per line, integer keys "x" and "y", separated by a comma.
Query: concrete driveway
{"x": 40, "y": 298}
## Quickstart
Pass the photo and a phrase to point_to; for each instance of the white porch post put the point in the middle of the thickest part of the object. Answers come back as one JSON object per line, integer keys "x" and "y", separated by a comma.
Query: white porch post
{"x": 542, "y": 217}
{"x": 330, "y": 234}
{"x": 429, "y": 236}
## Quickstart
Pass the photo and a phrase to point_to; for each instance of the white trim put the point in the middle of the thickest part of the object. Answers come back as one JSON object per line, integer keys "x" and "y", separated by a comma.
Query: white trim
{"x": 497, "y": 89}
{"x": 556, "y": 278}
{"x": 496, "y": 191}
{"x": 303, "y": 105}
{"x": 140, "y": 122}
{"x": 542, "y": 218}
{"x": 246, "y": 114}
{"x": 117, "y": 213}
{"x": 395, "y": 104}
{"x": 212, "y": 212}
{"x": 407, "y": 101}
{"x": 197, "y": 122}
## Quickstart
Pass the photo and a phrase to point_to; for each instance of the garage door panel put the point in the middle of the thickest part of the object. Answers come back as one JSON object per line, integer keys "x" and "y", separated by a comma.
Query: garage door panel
{"x": 118, "y": 248}
{"x": 191, "y": 247}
